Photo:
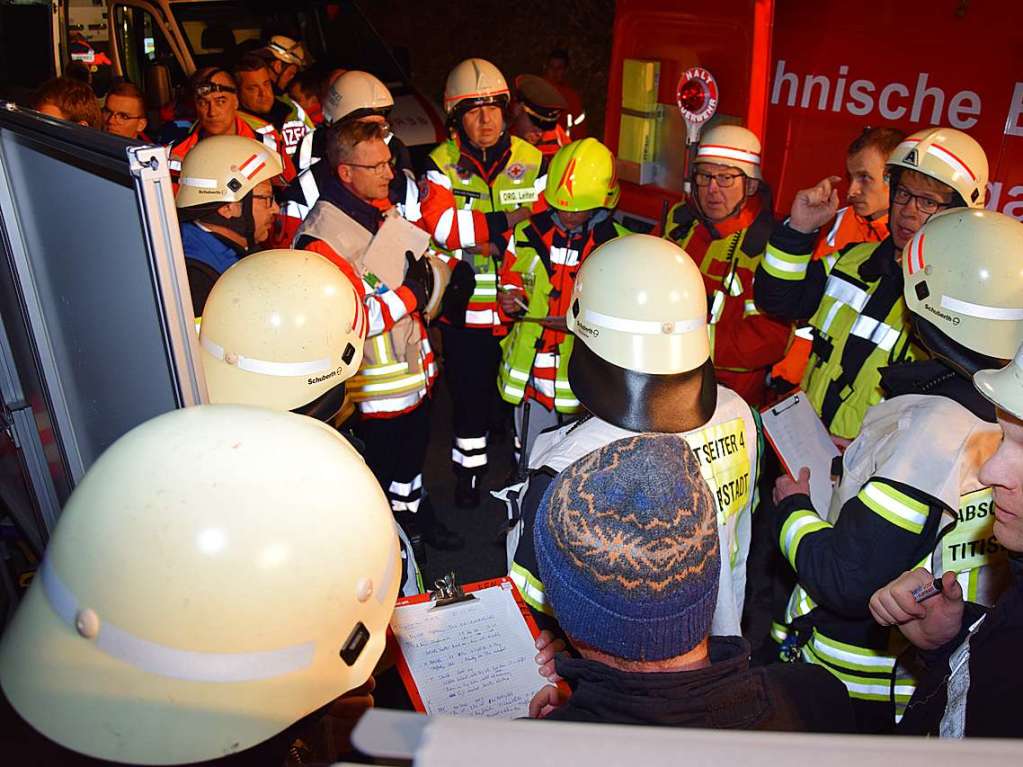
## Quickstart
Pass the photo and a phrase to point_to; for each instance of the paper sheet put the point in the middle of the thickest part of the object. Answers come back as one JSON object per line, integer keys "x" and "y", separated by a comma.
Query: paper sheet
{"x": 801, "y": 439}
{"x": 471, "y": 659}
{"x": 385, "y": 256}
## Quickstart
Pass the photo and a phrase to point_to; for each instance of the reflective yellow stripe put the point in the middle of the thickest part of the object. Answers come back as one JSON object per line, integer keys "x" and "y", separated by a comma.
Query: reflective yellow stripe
{"x": 779, "y": 633}
{"x": 898, "y": 508}
{"x": 799, "y": 524}
{"x": 850, "y": 656}
{"x": 785, "y": 266}
{"x": 531, "y": 589}
{"x": 799, "y": 604}
{"x": 860, "y": 687}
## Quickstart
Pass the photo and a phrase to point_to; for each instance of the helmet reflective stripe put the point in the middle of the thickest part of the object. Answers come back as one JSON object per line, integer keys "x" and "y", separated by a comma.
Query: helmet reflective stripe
{"x": 199, "y": 183}
{"x": 980, "y": 311}
{"x": 642, "y": 327}
{"x": 727, "y": 153}
{"x": 265, "y": 367}
{"x": 942, "y": 154}
{"x": 173, "y": 662}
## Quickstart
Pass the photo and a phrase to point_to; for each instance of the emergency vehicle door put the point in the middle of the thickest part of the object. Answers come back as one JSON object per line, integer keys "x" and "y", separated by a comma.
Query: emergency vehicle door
{"x": 98, "y": 334}
{"x": 654, "y": 43}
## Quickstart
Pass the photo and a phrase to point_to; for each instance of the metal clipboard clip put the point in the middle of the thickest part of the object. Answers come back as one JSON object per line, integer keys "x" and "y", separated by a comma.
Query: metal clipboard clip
{"x": 447, "y": 591}
{"x": 778, "y": 411}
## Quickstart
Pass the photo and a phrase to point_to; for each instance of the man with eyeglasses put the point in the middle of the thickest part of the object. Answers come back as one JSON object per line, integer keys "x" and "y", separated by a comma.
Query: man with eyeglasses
{"x": 225, "y": 205}
{"x": 853, "y": 298}
{"x": 216, "y": 105}
{"x": 124, "y": 112}
{"x": 391, "y": 389}
{"x": 724, "y": 227}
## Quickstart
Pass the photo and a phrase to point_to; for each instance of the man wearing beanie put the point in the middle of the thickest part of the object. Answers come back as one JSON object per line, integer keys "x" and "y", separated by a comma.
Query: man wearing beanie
{"x": 628, "y": 549}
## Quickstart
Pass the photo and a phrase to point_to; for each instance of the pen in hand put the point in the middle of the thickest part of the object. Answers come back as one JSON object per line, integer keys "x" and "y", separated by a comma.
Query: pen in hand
{"x": 923, "y": 593}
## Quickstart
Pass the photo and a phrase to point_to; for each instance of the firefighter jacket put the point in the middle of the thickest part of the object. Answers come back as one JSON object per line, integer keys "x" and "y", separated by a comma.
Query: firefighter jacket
{"x": 909, "y": 496}
{"x": 848, "y": 228}
{"x": 542, "y": 259}
{"x": 552, "y": 140}
{"x": 745, "y": 342}
{"x": 398, "y": 367}
{"x": 728, "y": 447}
{"x": 291, "y": 122}
{"x": 854, "y": 302}
{"x": 244, "y": 125}
{"x": 971, "y": 684}
{"x": 480, "y": 186}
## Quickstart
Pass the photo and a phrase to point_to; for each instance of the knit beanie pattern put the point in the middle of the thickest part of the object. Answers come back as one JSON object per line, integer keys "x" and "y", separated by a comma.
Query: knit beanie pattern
{"x": 628, "y": 549}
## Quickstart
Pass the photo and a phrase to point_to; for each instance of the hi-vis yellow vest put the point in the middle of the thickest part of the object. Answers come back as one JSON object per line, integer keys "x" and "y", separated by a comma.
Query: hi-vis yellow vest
{"x": 842, "y": 397}
{"x": 520, "y": 183}
{"x": 519, "y": 352}
{"x": 397, "y": 365}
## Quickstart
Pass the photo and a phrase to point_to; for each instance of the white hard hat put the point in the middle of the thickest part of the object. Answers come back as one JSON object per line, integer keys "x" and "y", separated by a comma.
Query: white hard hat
{"x": 280, "y": 329}
{"x": 475, "y": 82}
{"x": 441, "y": 278}
{"x": 1004, "y": 387}
{"x": 964, "y": 277}
{"x": 289, "y": 51}
{"x": 949, "y": 156}
{"x": 220, "y": 572}
{"x": 224, "y": 169}
{"x": 731, "y": 145}
{"x": 639, "y": 310}
{"x": 356, "y": 94}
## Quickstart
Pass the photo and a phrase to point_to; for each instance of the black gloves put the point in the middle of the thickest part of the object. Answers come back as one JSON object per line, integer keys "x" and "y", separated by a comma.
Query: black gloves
{"x": 461, "y": 286}
{"x": 418, "y": 279}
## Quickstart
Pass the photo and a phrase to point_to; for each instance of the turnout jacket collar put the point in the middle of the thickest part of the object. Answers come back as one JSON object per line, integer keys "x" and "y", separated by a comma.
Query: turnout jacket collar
{"x": 881, "y": 263}
{"x": 935, "y": 377}
{"x": 721, "y": 695}
{"x": 757, "y": 212}
{"x": 368, "y": 214}
{"x": 485, "y": 163}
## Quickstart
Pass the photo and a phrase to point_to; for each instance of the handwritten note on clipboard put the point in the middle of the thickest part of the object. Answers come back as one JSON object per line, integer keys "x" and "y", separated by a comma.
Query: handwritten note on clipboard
{"x": 800, "y": 438}
{"x": 473, "y": 658}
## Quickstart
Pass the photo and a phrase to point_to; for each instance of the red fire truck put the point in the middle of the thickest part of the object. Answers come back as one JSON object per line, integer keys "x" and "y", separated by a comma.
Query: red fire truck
{"x": 807, "y": 76}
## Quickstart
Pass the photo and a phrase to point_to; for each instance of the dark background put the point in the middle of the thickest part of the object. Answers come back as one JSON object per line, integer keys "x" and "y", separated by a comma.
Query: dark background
{"x": 516, "y": 36}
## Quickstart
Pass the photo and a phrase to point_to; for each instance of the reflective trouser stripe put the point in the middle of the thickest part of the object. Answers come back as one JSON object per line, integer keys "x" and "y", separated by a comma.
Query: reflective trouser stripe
{"x": 531, "y": 589}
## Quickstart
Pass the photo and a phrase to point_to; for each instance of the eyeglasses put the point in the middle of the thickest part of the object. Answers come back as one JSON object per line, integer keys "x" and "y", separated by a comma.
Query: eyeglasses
{"x": 379, "y": 168}
{"x": 925, "y": 205}
{"x": 121, "y": 117}
{"x": 724, "y": 180}
{"x": 268, "y": 199}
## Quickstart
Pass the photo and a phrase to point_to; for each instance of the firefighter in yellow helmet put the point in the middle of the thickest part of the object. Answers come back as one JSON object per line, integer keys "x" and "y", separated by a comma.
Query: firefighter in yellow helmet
{"x": 488, "y": 180}
{"x": 910, "y": 493}
{"x": 853, "y": 299}
{"x": 641, "y": 363}
{"x": 226, "y": 206}
{"x": 536, "y": 279}
{"x": 724, "y": 226}
{"x": 206, "y": 587}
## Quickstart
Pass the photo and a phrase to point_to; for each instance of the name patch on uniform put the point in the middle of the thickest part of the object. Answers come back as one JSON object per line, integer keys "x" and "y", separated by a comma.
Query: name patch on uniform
{"x": 518, "y": 196}
{"x": 467, "y": 193}
{"x": 972, "y": 543}
{"x": 724, "y": 464}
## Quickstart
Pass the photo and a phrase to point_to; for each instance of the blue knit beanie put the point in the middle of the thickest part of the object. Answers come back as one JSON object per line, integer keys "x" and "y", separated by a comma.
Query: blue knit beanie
{"x": 628, "y": 549}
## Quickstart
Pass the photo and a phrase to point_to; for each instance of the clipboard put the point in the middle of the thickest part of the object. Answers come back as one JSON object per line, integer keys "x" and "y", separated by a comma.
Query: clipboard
{"x": 799, "y": 438}
{"x": 385, "y": 255}
{"x": 430, "y": 630}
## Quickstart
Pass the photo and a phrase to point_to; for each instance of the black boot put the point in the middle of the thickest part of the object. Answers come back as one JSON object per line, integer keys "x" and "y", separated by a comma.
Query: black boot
{"x": 467, "y": 490}
{"x": 435, "y": 532}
